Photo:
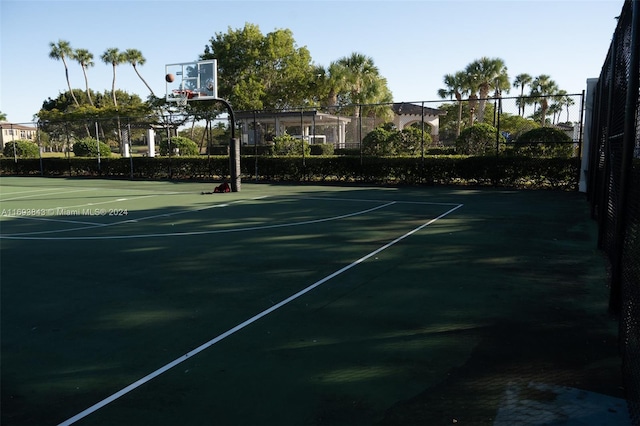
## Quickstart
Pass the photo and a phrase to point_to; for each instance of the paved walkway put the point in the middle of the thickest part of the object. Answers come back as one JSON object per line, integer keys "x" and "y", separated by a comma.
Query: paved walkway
{"x": 533, "y": 404}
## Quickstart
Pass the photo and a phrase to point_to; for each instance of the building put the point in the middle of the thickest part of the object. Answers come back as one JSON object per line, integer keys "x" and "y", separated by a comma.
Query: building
{"x": 313, "y": 126}
{"x": 405, "y": 114}
{"x": 13, "y": 132}
{"x": 317, "y": 127}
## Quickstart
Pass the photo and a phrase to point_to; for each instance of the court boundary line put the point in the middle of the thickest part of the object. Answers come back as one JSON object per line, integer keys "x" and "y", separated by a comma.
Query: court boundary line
{"x": 47, "y": 194}
{"x": 94, "y": 225}
{"x": 246, "y": 323}
{"x": 25, "y": 236}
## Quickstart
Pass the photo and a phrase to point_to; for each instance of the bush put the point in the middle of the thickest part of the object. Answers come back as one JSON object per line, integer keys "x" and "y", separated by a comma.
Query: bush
{"x": 544, "y": 142}
{"x": 385, "y": 142}
{"x": 179, "y": 146}
{"x": 514, "y": 126}
{"x": 322, "y": 149}
{"x": 23, "y": 149}
{"x": 378, "y": 142}
{"x": 411, "y": 141}
{"x": 88, "y": 147}
{"x": 503, "y": 171}
{"x": 479, "y": 139}
{"x": 287, "y": 145}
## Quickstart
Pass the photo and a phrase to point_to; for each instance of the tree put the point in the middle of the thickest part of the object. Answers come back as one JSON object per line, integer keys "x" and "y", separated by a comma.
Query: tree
{"x": 60, "y": 52}
{"x": 135, "y": 58}
{"x": 521, "y": 81}
{"x": 488, "y": 74}
{"x": 257, "y": 71}
{"x": 3, "y": 116}
{"x": 555, "y": 109}
{"x": 328, "y": 83}
{"x": 361, "y": 82}
{"x": 455, "y": 87}
{"x": 85, "y": 59}
{"x": 113, "y": 57}
{"x": 564, "y": 100}
{"x": 542, "y": 88}
{"x": 61, "y": 118}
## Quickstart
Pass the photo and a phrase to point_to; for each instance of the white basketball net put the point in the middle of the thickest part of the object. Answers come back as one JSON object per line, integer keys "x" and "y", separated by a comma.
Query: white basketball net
{"x": 183, "y": 98}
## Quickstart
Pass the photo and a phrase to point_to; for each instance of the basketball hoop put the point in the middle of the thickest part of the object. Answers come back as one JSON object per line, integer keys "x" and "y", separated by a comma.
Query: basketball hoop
{"x": 181, "y": 97}
{"x": 191, "y": 81}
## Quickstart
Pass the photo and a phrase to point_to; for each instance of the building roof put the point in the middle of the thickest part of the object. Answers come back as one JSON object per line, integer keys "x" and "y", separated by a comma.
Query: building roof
{"x": 405, "y": 108}
{"x": 7, "y": 125}
{"x": 293, "y": 117}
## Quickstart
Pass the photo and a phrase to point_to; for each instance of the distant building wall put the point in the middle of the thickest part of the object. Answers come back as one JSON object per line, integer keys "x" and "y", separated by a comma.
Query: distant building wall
{"x": 13, "y": 132}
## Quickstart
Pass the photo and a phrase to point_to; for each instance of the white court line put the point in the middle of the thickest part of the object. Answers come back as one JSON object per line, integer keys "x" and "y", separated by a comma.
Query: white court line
{"x": 98, "y": 225}
{"x": 27, "y": 192}
{"x": 244, "y": 324}
{"x": 50, "y": 193}
{"x": 44, "y": 219}
{"x": 365, "y": 200}
{"x": 182, "y": 234}
{"x": 118, "y": 200}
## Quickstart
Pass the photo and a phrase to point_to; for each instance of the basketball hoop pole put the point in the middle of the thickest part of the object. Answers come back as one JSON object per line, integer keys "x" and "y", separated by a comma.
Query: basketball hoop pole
{"x": 234, "y": 150}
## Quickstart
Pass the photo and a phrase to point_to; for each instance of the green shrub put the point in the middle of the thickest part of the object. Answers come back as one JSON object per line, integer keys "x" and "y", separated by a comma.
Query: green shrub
{"x": 88, "y": 147}
{"x": 479, "y": 139}
{"x": 378, "y": 142}
{"x": 503, "y": 171}
{"x": 384, "y": 141}
{"x": 544, "y": 142}
{"x": 412, "y": 140}
{"x": 322, "y": 149}
{"x": 514, "y": 126}
{"x": 287, "y": 145}
{"x": 23, "y": 149}
{"x": 179, "y": 146}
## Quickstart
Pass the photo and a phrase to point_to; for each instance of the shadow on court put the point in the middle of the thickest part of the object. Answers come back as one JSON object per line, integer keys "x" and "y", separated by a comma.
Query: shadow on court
{"x": 428, "y": 306}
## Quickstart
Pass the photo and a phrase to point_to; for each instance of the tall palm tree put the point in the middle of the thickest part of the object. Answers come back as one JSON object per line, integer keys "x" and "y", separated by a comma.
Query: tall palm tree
{"x": 361, "y": 79}
{"x": 489, "y": 74}
{"x": 455, "y": 87}
{"x": 543, "y": 87}
{"x": 134, "y": 57}
{"x": 563, "y": 98}
{"x": 328, "y": 82}
{"x": 85, "y": 59}
{"x": 521, "y": 81}
{"x": 114, "y": 57}
{"x": 60, "y": 51}
{"x": 555, "y": 109}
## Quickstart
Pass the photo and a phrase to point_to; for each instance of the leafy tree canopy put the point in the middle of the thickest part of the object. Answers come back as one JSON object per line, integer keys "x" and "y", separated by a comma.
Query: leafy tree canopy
{"x": 257, "y": 71}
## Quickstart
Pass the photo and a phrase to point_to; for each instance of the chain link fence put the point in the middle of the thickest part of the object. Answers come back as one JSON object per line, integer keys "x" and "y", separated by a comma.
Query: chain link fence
{"x": 438, "y": 126}
{"x": 614, "y": 186}
{"x": 442, "y": 121}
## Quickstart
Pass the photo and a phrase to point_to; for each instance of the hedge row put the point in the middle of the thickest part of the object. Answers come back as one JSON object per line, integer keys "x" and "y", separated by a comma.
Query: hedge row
{"x": 520, "y": 172}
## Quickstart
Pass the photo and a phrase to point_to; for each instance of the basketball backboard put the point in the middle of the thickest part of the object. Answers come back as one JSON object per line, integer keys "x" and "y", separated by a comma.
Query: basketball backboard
{"x": 189, "y": 81}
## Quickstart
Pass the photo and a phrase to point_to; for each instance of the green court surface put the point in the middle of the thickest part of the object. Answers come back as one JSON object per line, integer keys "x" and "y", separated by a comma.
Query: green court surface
{"x": 148, "y": 303}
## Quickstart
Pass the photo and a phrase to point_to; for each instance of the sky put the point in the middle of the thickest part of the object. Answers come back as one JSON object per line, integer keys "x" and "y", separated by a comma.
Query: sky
{"x": 413, "y": 43}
